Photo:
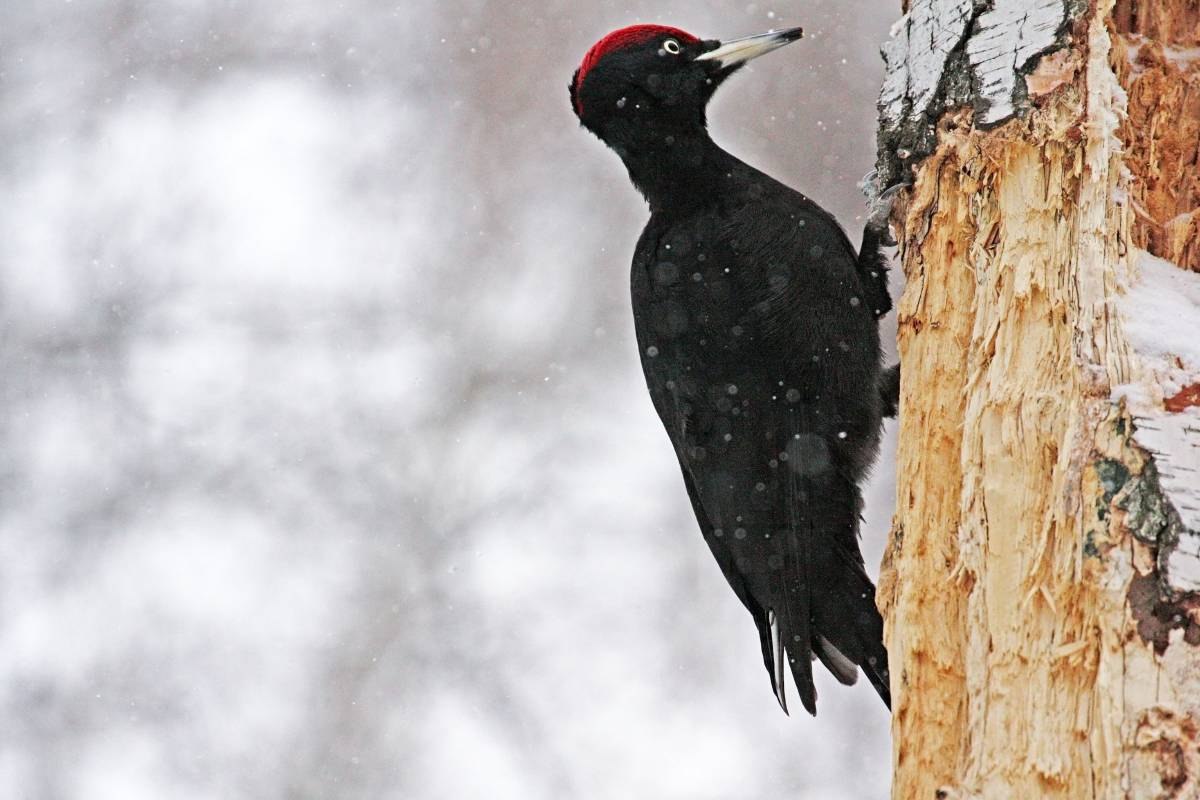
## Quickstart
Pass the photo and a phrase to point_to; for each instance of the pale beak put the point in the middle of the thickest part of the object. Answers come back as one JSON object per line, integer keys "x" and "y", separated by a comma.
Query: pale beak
{"x": 739, "y": 51}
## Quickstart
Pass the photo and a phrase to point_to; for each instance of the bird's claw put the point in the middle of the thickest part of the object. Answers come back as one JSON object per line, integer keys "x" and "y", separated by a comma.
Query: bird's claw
{"x": 881, "y": 211}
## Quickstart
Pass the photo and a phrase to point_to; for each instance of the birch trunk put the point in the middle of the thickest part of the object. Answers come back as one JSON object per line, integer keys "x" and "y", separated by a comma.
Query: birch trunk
{"x": 1040, "y": 588}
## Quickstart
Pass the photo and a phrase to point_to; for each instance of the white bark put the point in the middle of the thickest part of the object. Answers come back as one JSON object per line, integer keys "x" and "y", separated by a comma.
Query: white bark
{"x": 1005, "y": 39}
{"x": 1161, "y": 317}
{"x": 1038, "y": 592}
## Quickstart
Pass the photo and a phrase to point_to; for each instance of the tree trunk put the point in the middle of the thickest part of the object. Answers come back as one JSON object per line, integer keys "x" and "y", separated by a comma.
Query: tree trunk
{"x": 1040, "y": 588}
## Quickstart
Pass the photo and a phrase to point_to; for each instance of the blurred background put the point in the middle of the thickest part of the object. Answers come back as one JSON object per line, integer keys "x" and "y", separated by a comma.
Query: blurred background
{"x": 327, "y": 469}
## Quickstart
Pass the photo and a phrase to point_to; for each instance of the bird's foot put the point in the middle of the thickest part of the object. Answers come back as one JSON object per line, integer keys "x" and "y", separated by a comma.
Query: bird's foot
{"x": 881, "y": 212}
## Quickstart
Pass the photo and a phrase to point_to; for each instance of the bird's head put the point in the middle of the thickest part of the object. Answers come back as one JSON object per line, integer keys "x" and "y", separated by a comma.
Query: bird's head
{"x": 651, "y": 80}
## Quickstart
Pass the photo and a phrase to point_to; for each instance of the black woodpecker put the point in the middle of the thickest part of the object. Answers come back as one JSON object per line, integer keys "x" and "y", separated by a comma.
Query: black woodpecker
{"x": 757, "y": 324}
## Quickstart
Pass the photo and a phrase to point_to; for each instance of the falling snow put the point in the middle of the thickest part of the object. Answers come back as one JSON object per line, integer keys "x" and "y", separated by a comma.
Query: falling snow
{"x": 324, "y": 434}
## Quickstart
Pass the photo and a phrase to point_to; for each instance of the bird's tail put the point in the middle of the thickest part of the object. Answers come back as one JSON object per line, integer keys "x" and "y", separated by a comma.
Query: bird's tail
{"x": 821, "y": 604}
{"x": 848, "y": 630}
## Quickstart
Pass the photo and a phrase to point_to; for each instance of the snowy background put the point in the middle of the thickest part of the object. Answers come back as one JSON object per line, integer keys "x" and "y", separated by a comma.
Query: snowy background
{"x": 327, "y": 469}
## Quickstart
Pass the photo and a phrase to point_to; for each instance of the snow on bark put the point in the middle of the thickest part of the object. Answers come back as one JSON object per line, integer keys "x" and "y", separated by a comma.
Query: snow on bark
{"x": 1035, "y": 589}
{"x": 1160, "y": 315}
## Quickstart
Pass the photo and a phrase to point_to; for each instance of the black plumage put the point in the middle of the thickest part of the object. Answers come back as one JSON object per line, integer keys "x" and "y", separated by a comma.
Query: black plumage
{"x": 757, "y": 326}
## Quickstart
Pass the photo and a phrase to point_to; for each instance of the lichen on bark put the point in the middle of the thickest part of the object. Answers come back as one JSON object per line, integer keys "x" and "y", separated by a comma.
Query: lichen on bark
{"x": 1040, "y": 646}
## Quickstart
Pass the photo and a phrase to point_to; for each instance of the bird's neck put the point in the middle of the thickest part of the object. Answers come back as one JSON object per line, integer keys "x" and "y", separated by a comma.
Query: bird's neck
{"x": 678, "y": 170}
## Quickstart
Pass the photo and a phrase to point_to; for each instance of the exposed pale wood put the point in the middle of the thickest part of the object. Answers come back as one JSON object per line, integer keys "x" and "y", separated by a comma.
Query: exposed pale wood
{"x": 1039, "y": 645}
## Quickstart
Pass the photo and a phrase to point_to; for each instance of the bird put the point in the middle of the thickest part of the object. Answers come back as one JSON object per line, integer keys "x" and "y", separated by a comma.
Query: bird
{"x": 757, "y": 327}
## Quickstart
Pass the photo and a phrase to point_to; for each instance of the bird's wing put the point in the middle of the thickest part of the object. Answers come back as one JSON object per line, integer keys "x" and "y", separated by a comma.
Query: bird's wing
{"x": 769, "y": 425}
{"x": 808, "y": 439}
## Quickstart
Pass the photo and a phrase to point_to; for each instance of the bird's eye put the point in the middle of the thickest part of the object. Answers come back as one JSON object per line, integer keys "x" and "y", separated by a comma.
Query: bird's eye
{"x": 671, "y": 46}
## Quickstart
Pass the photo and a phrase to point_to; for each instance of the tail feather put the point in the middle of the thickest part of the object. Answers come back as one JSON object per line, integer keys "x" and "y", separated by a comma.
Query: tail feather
{"x": 778, "y": 653}
{"x": 849, "y": 619}
{"x": 821, "y": 605}
{"x": 845, "y": 670}
{"x": 793, "y": 594}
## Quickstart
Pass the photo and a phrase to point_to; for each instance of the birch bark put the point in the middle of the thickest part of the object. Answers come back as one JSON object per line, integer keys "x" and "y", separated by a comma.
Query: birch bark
{"x": 1041, "y": 586}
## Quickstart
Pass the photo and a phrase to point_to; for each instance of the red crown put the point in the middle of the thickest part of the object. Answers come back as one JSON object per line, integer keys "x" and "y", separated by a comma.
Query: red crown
{"x": 618, "y": 39}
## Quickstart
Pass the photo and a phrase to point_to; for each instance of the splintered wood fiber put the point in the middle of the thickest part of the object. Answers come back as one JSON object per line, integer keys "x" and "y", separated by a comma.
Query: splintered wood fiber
{"x": 1156, "y": 56}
